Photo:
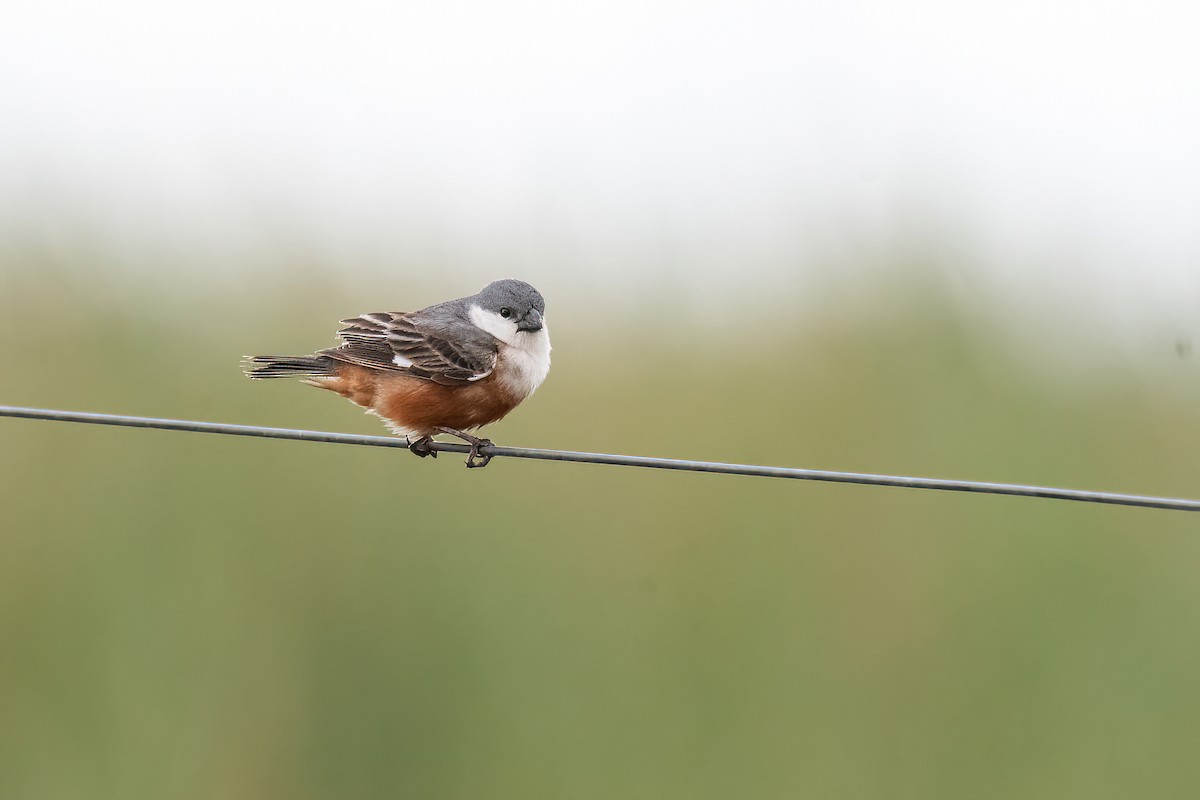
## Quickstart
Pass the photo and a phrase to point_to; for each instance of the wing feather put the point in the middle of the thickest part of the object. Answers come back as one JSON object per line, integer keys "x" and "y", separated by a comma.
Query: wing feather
{"x": 396, "y": 342}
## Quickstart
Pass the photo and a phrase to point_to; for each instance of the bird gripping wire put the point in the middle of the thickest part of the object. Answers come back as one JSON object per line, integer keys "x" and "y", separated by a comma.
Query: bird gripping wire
{"x": 1078, "y": 495}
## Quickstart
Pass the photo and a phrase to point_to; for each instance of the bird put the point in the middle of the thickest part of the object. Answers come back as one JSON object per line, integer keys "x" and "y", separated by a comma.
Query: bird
{"x": 450, "y": 368}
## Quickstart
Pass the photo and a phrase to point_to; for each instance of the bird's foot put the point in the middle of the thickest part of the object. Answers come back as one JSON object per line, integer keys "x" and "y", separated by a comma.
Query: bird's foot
{"x": 475, "y": 457}
{"x": 421, "y": 447}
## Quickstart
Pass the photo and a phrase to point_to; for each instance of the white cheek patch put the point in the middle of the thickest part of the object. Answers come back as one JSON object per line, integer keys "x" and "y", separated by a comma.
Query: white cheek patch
{"x": 503, "y": 329}
{"x": 525, "y": 362}
{"x": 401, "y": 361}
{"x": 524, "y": 357}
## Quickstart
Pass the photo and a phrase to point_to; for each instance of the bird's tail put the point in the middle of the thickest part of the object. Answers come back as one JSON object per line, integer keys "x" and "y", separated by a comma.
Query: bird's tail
{"x": 287, "y": 366}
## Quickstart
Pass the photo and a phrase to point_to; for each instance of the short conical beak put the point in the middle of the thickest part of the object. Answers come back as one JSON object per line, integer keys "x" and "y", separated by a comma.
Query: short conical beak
{"x": 532, "y": 321}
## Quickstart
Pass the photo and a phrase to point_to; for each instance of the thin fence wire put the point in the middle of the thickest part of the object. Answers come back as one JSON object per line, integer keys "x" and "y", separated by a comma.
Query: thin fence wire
{"x": 1142, "y": 501}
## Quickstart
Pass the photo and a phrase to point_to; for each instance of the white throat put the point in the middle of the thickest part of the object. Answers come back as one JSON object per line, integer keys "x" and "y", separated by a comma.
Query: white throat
{"x": 524, "y": 357}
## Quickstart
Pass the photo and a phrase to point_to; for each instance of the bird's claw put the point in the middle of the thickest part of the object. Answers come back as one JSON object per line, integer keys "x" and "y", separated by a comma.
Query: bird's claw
{"x": 422, "y": 447}
{"x": 474, "y": 455}
{"x": 475, "y": 458}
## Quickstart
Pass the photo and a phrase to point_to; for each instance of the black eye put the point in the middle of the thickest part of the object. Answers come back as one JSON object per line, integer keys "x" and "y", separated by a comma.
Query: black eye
{"x": 506, "y": 312}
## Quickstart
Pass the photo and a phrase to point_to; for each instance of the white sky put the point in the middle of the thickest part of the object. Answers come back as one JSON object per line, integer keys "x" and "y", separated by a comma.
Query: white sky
{"x": 725, "y": 144}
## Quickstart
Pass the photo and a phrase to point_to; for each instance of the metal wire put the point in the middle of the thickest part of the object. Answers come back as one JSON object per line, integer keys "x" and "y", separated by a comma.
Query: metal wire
{"x": 1177, "y": 504}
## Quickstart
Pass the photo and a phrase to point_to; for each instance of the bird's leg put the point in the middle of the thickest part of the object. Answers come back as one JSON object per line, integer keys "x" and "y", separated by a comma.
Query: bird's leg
{"x": 420, "y": 447}
{"x": 474, "y": 457}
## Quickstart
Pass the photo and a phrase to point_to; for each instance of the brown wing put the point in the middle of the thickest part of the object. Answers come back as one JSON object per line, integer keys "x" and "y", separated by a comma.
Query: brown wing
{"x": 392, "y": 340}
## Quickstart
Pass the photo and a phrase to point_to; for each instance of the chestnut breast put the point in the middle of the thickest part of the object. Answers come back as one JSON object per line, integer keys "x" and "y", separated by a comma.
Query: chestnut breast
{"x": 417, "y": 406}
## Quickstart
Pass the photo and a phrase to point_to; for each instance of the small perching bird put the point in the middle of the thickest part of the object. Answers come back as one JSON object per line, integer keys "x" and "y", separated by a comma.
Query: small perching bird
{"x": 450, "y": 368}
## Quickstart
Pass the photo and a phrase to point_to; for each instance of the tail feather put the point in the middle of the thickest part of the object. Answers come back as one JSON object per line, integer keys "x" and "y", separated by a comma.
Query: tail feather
{"x": 287, "y": 366}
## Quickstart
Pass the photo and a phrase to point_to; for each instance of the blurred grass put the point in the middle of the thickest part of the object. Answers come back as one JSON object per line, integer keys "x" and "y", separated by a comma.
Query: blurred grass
{"x": 195, "y": 616}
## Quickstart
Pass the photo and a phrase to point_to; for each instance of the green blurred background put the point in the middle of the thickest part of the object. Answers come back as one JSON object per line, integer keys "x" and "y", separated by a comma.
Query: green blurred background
{"x": 955, "y": 240}
{"x": 197, "y": 616}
